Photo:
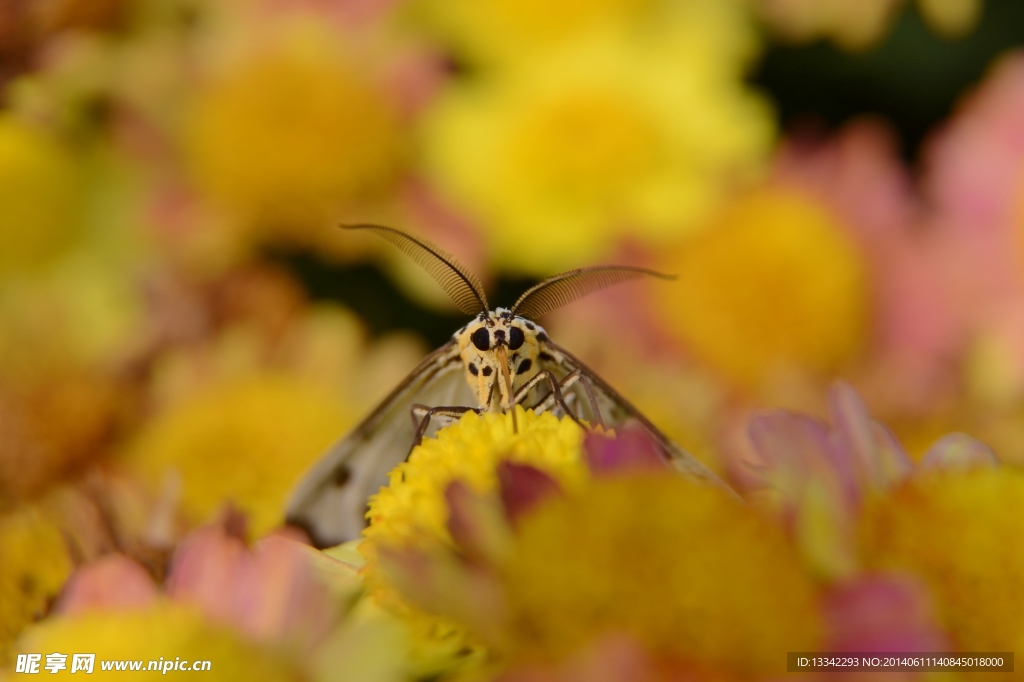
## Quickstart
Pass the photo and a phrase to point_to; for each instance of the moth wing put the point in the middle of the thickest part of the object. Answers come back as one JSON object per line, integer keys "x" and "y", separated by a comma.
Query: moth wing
{"x": 330, "y": 500}
{"x": 617, "y": 411}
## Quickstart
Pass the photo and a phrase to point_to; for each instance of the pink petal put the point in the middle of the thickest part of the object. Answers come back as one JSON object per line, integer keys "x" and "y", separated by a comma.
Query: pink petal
{"x": 853, "y": 426}
{"x": 277, "y": 595}
{"x": 476, "y": 523}
{"x": 523, "y": 487}
{"x": 795, "y": 449}
{"x": 631, "y": 450}
{"x": 881, "y": 613}
{"x": 440, "y": 583}
{"x": 893, "y": 460}
{"x": 877, "y": 460}
{"x": 205, "y": 568}
{"x": 271, "y": 593}
{"x": 958, "y": 451}
{"x": 113, "y": 582}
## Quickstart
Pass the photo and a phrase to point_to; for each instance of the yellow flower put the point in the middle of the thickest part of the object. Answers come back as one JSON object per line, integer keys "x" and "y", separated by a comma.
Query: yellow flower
{"x": 39, "y": 198}
{"x": 292, "y": 131}
{"x": 775, "y": 286}
{"x": 506, "y": 29}
{"x": 958, "y": 531}
{"x": 83, "y": 312}
{"x": 608, "y": 135}
{"x": 412, "y": 512}
{"x": 687, "y": 571}
{"x": 412, "y": 509}
{"x": 35, "y": 565}
{"x": 244, "y": 441}
{"x": 165, "y": 631}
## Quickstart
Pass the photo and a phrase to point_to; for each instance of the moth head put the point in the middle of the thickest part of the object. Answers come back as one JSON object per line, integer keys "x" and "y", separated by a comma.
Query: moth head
{"x": 494, "y": 344}
{"x": 498, "y": 328}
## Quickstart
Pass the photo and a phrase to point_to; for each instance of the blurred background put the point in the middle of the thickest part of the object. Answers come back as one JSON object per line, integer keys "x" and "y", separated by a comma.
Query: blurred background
{"x": 838, "y": 185}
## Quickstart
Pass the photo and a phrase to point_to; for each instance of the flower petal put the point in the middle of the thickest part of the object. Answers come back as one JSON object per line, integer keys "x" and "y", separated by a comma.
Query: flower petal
{"x": 441, "y": 584}
{"x": 796, "y": 449}
{"x": 958, "y": 451}
{"x": 882, "y": 613}
{"x": 523, "y": 487}
{"x": 271, "y": 593}
{"x": 113, "y": 582}
{"x": 204, "y": 569}
{"x": 630, "y": 451}
{"x": 876, "y": 457}
{"x": 476, "y": 523}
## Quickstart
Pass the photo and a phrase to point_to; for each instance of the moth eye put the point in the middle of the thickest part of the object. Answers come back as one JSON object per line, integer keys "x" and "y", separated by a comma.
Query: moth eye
{"x": 481, "y": 339}
{"x": 515, "y": 338}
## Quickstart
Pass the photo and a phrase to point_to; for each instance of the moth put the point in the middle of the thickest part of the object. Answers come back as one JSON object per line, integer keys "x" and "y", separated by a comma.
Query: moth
{"x": 500, "y": 359}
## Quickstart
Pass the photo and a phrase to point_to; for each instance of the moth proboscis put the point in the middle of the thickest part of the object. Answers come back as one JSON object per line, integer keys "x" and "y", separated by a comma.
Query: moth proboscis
{"x": 501, "y": 358}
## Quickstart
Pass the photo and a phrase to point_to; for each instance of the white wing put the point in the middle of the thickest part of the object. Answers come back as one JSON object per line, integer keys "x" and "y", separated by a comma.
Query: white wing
{"x": 616, "y": 410}
{"x": 330, "y": 500}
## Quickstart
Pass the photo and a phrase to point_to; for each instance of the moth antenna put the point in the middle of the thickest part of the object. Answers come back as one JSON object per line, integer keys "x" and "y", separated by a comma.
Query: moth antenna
{"x": 461, "y": 285}
{"x": 559, "y": 290}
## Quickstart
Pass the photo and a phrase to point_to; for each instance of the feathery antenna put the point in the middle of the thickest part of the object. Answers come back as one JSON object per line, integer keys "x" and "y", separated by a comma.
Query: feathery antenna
{"x": 565, "y": 288}
{"x": 461, "y": 285}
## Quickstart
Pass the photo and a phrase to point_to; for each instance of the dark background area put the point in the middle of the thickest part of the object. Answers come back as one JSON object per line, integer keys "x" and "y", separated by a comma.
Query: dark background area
{"x": 913, "y": 77}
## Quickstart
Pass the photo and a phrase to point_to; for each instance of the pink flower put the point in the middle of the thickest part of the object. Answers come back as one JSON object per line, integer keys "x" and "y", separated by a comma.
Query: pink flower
{"x": 974, "y": 180}
{"x": 819, "y": 474}
{"x": 271, "y": 592}
{"x": 918, "y": 325}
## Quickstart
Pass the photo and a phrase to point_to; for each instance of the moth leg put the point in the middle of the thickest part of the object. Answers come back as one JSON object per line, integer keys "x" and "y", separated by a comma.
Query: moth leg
{"x": 589, "y": 388}
{"x": 570, "y": 379}
{"x": 555, "y": 397}
{"x": 548, "y": 401}
{"x": 422, "y": 416}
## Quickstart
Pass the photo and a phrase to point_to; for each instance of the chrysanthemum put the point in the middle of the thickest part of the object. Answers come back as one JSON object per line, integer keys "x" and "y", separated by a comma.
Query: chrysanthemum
{"x": 503, "y": 30}
{"x": 413, "y": 509}
{"x": 819, "y": 475}
{"x": 975, "y": 172}
{"x": 40, "y": 193}
{"x": 957, "y": 531}
{"x": 690, "y": 573}
{"x": 243, "y": 441}
{"x": 774, "y": 287}
{"x": 619, "y": 546}
{"x": 291, "y": 130}
{"x": 610, "y": 134}
{"x": 34, "y": 567}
